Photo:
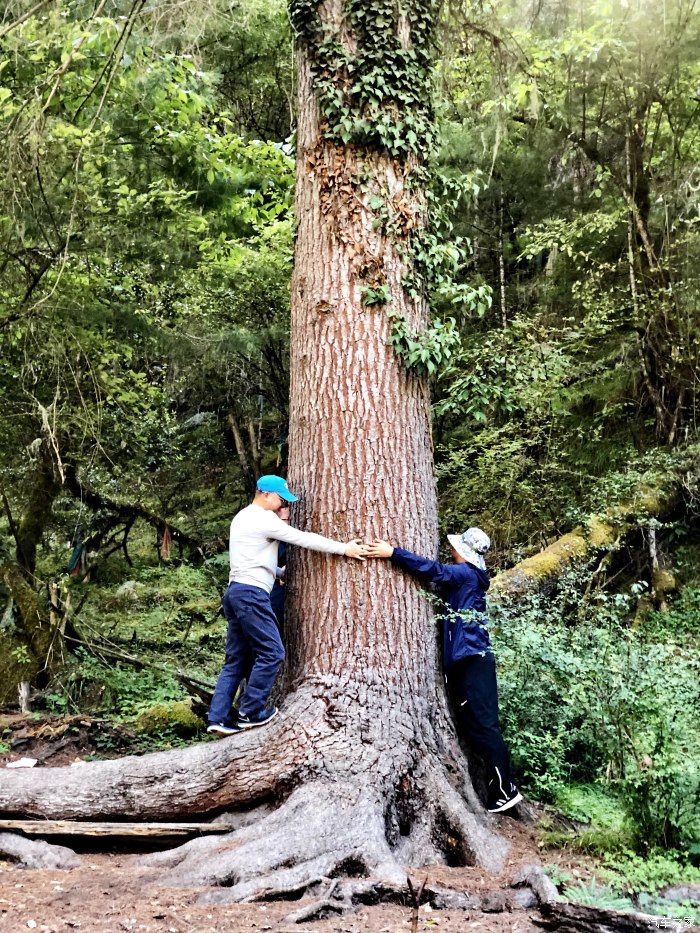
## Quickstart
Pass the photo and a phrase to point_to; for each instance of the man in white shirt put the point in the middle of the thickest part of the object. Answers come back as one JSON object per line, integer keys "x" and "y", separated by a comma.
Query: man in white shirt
{"x": 253, "y": 642}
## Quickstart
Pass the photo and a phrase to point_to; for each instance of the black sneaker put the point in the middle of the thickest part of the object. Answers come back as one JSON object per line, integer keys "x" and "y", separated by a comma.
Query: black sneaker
{"x": 220, "y": 728}
{"x": 504, "y": 801}
{"x": 260, "y": 719}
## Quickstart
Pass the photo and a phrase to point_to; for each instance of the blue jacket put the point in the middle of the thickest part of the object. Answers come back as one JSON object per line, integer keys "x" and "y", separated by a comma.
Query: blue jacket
{"x": 462, "y": 588}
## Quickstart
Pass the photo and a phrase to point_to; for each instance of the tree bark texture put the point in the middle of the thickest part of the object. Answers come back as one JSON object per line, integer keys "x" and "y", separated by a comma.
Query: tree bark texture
{"x": 362, "y": 760}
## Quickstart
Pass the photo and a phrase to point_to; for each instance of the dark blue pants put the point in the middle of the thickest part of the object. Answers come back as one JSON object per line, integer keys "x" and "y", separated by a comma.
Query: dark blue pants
{"x": 474, "y": 694}
{"x": 254, "y": 650}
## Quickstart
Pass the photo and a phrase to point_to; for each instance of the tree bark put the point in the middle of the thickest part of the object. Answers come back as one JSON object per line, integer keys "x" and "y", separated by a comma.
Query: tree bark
{"x": 43, "y": 489}
{"x": 363, "y": 756}
{"x": 32, "y": 644}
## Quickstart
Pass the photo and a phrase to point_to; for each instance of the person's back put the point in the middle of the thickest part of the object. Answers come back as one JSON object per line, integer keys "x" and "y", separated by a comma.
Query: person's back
{"x": 252, "y": 552}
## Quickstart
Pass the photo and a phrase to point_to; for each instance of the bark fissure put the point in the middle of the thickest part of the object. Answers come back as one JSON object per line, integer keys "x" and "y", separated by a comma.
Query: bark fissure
{"x": 362, "y": 761}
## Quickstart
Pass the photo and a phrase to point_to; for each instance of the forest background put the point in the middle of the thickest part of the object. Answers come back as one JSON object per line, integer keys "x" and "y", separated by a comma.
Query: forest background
{"x": 146, "y": 237}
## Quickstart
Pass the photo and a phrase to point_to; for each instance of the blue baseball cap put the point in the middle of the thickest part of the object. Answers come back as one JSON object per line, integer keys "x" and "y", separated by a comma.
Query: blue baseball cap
{"x": 272, "y": 483}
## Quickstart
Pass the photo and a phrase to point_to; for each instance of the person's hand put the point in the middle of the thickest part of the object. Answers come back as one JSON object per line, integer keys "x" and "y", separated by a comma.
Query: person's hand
{"x": 356, "y": 549}
{"x": 379, "y": 549}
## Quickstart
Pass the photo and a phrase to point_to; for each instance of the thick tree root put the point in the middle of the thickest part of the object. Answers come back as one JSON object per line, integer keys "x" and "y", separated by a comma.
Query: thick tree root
{"x": 581, "y": 918}
{"x": 204, "y": 778}
{"x": 327, "y": 830}
{"x": 358, "y": 796}
{"x": 342, "y": 896}
{"x": 34, "y": 853}
{"x": 321, "y": 831}
{"x": 541, "y": 885}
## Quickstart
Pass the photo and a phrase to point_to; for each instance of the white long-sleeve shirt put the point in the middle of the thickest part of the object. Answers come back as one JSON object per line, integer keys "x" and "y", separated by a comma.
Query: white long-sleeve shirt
{"x": 254, "y": 541}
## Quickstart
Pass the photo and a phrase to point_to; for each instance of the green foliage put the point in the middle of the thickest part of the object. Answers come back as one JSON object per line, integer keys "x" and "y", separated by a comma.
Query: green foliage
{"x": 147, "y": 235}
{"x": 147, "y": 250}
{"x": 633, "y": 874}
{"x": 679, "y": 620}
{"x": 427, "y": 350}
{"x": 596, "y": 895}
{"x": 597, "y": 700}
{"x": 567, "y": 376}
{"x": 636, "y": 892}
{"x": 376, "y": 91}
{"x": 119, "y": 689}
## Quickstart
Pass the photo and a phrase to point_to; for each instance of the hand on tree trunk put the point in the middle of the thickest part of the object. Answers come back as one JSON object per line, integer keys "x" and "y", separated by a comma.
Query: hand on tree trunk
{"x": 379, "y": 549}
{"x": 356, "y": 549}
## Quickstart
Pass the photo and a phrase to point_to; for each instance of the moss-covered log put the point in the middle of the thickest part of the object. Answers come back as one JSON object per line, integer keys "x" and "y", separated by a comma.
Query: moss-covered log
{"x": 656, "y": 497}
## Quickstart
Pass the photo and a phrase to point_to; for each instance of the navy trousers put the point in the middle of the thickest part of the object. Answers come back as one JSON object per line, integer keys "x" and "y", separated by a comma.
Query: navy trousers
{"x": 254, "y": 651}
{"x": 474, "y": 694}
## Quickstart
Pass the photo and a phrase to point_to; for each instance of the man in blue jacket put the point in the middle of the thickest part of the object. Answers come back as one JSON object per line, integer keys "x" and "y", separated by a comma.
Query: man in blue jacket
{"x": 467, "y": 655}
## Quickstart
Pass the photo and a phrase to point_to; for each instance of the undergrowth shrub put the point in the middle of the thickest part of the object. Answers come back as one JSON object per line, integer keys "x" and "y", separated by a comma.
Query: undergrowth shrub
{"x": 588, "y": 697}
{"x": 115, "y": 688}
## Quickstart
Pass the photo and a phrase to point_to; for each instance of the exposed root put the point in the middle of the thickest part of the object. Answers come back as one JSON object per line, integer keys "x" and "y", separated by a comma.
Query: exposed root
{"x": 343, "y": 896}
{"x": 204, "y": 778}
{"x": 35, "y": 853}
{"x": 543, "y": 887}
{"x": 478, "y": 844}
{"x": 582, "y": 918}
{"x": 322, "y": 831}
{"x": 328, "y": 832}
{"x": 359, "y": 803}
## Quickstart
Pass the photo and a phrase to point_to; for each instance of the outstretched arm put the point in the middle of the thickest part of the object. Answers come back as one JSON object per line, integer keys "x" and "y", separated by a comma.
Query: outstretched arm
{"x": 429, "y": 571}
{"x": 281, "y": 531}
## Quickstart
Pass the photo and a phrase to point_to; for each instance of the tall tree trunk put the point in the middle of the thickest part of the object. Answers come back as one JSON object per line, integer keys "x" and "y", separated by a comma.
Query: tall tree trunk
{"x": 362, "y": 756}
{"x": 43, "y": 489}
{"x": 30, "y": 647}
{"x": 502, "y": 265}
{"x": 247, "y": 469}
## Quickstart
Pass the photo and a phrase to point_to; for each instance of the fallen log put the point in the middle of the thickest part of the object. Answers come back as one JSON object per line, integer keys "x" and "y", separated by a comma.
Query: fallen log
{"x": 655, "y": 497}
{"x": 581, "y": 918}
{"x": 88, "y": 828}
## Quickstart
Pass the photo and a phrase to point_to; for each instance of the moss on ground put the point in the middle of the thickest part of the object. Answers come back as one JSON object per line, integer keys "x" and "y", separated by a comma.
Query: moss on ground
{"x": 176, "y": 717}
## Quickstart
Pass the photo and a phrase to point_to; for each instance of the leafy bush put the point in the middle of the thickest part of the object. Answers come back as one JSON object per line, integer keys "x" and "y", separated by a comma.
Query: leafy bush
{"x": 597, "y": 700}
{"x": 117, "y": 688}
{"x": 632, "y": 874}
{"x": 592, "y": 804}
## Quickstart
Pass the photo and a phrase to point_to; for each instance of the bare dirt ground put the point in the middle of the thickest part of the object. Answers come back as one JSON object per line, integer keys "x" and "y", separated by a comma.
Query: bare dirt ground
{"x": 114, "y": 892}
